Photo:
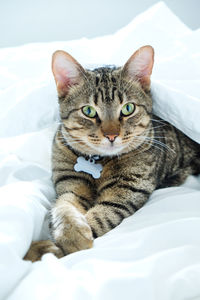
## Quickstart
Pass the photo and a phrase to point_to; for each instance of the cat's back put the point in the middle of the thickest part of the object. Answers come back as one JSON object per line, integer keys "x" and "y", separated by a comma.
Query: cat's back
{"x": 180, "y": 154}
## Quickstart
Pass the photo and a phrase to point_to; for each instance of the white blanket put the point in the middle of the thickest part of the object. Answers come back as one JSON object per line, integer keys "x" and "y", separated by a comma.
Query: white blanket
{"x": 154, "y": 254}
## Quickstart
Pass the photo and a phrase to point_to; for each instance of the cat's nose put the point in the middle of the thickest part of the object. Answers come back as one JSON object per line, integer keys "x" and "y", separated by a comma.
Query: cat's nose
{"x": 111, "y": 137}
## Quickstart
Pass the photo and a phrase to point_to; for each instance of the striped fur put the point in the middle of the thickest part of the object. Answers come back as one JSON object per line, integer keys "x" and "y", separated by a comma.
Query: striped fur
{"x": 147, "y": 154}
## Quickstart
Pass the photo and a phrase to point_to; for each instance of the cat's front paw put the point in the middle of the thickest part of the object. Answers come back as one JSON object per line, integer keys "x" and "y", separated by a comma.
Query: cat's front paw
{"x": 38, "y": 249}
{"x": 71, "y": 231}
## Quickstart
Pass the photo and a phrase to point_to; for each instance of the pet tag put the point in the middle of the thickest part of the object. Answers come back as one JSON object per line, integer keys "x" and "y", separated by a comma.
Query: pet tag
{"x": 88, "y": 166}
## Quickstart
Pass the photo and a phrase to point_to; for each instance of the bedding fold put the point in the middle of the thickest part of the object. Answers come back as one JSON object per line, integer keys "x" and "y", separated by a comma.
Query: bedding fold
{"x": 154, "y": 254}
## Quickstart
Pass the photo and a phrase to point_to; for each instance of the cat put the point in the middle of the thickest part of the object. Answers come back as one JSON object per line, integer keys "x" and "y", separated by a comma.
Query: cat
{"x": 106, "y": 118}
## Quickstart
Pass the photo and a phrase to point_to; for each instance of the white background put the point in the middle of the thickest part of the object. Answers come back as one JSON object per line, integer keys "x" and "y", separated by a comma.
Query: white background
{"x": 27, "y": 21}
{"x": 154, "y": 254}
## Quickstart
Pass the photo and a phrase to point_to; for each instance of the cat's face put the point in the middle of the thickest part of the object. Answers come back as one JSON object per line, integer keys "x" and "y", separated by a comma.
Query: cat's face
{"x": 106, "y": 111}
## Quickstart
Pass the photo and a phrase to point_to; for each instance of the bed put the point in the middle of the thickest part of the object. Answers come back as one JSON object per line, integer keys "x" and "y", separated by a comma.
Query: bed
{"x": 154, "y": 254}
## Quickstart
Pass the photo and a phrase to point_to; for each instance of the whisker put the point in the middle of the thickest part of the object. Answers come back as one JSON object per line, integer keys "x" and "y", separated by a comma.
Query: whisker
{"x": 158, "y": 143}
{"x": 68, "y": 138}
{"x": 159, "y": 126}
{"x": 159, "y": 121}
{"x": 153, "y": 145}
{"x": 163, "y": 145}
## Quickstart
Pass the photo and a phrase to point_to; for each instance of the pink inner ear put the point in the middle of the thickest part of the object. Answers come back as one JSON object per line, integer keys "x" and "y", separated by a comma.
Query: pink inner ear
{"x": 65, "y": 70}
{"x": 62, "y": 79}
{"x": 140, "y": 64}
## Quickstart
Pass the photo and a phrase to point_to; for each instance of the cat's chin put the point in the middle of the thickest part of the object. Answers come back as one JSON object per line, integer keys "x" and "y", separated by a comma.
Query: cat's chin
{"x": 109, "y": 150}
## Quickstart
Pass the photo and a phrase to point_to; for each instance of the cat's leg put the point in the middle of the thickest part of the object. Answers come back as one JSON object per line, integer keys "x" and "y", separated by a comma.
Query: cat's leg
{"x": 69, "y": 230}
{"x": 39, "y": 248}
{"x": 68, "y": 225}
{"x": 116, "y": 203}
{"x": 175, "y": 180}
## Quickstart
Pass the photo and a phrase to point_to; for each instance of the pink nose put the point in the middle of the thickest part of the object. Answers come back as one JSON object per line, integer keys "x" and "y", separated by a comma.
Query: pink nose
{"x": 111, "y": 137}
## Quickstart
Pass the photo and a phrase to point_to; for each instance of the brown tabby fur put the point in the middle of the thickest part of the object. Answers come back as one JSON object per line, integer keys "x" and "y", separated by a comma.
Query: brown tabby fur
{"x": 154, "y": 155}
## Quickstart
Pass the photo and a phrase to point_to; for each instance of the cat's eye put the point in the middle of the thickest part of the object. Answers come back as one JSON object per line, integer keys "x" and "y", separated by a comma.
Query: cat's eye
{"x": 89, "y": 111}
{"x": 127, "y": 109}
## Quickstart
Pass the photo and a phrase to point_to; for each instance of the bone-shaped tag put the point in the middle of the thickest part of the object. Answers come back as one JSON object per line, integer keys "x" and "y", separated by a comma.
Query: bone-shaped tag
{"x": 88, "y": 166}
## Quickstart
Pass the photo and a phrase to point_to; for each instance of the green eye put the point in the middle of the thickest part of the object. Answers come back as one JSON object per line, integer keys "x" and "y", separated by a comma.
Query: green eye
{"x": 89, "y": 111}
{"x": 128, "y": 109}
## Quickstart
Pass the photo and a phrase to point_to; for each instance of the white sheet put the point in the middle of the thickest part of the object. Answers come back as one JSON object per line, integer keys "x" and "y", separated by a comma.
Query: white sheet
{"x": 152, "y": 255}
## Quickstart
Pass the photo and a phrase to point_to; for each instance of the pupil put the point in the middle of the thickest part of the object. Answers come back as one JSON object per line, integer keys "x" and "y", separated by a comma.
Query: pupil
{"x": 89, "y": 110}
{"x": 128, "y": 108}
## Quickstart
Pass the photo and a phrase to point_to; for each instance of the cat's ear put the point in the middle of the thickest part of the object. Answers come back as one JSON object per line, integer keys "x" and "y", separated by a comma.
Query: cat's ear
{"x": 139, "y": 66}
{"x": 67, "y": 71}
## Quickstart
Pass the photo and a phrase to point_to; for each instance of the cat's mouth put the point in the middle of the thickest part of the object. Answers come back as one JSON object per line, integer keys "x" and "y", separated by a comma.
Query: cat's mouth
{"x": 108, "y": 148}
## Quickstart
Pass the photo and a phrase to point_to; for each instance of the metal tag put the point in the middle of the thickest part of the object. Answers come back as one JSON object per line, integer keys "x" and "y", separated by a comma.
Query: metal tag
{"x": 88, "y": 166}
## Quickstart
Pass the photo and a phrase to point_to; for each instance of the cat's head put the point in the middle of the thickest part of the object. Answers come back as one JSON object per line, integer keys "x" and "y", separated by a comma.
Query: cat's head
{"x": 106, "y": 111}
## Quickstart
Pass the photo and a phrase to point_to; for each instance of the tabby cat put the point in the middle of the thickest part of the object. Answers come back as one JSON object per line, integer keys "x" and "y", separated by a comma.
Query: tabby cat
{"x": 106, "y": 119}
